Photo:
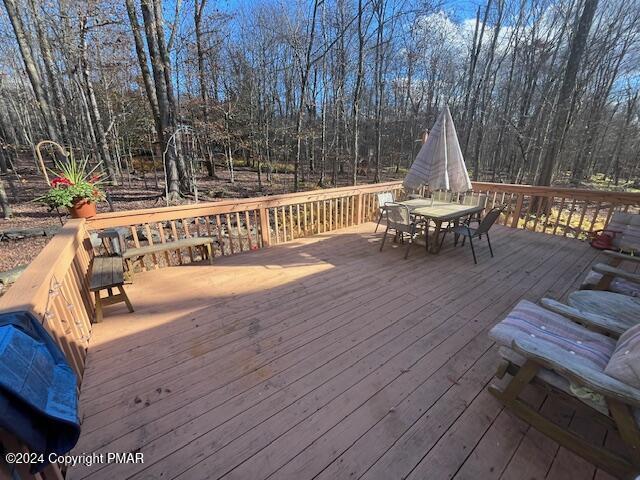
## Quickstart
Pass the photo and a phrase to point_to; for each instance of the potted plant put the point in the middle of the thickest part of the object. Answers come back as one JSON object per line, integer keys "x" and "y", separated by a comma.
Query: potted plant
{"x": 74, "y": 188}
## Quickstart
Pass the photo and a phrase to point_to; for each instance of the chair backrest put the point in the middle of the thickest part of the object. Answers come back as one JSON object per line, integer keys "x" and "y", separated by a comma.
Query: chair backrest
{"x": 471, "y": 199}
{"x": 489, "y": 219}
{"x": 628, "y": 226}
{"x": 398, "y": 217}
{"x": 385, "y": 198}
{"x": 441, "y": 196}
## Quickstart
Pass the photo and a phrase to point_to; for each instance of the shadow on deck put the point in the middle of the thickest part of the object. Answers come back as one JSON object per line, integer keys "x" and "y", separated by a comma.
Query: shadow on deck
{"x": 324, "y": 357}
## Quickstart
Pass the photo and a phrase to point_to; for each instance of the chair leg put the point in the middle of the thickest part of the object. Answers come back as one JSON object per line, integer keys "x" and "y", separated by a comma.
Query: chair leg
{"x": 489, "y": 242}
{"x": 409, "y": 243}
{"x": 98, "y": 306}
{"x": 426, "y": 238}
{"x": 384, "y": 237}
{"x": 473, "y": 251}
{"x": 442, "y": 241}
{"x": 378, "y": 224}
{"x": 210, "y": 253}
{"x": 125, "y": 298}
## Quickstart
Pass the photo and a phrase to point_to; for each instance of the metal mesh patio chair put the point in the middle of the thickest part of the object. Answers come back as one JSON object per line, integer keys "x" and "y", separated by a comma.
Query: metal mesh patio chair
{"x": 400, "y": 221}
{"x": 483, "y": 229}
{"x": 441, "y": 196}
{"x": 384, "y": 198}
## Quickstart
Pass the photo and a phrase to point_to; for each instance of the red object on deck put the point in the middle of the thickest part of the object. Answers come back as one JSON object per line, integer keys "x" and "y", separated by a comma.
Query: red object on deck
{"x": 603, "y": 239}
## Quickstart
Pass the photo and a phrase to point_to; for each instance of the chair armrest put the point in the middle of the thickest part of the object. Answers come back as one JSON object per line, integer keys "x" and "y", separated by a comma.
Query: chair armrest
{"x": 610, "y": 271}
{"x": 565, "y": 364}
{"x": 600, "y": 322}
{"x": 621, "y": 256}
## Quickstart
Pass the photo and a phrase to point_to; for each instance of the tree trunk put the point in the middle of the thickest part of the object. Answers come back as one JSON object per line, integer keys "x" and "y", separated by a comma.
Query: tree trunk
{"x": 559, "y": 125}
{"x": 4, "y": 201}
{"x": 32, "y": 69}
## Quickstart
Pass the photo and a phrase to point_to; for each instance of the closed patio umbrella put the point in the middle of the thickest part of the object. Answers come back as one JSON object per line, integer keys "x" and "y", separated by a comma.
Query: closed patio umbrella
{"x": 439, "y": 163}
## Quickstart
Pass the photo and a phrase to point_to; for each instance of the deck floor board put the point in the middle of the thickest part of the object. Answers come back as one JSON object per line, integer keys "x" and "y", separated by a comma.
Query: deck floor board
{"x": 324, "y": 358}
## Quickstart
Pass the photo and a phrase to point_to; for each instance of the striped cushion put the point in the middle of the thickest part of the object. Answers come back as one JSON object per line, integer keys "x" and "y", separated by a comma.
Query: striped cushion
{"x": 618, "y": 285}
{"x": 550, "y": 330}
{"x": 625, "y": 361}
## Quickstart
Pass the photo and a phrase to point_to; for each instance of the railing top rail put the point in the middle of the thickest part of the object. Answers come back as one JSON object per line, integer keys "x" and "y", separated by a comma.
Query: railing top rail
{"x": 31, "y": 289}
{"x": 149, "y": 215}
{"x": 624, "y": 197}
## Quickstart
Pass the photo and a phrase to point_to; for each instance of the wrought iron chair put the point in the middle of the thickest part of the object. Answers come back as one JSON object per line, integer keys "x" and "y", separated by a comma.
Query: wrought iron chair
{"x": 399, "y": 219}
{"x": 483, "y": 229}
{"x": 384, "y": 198}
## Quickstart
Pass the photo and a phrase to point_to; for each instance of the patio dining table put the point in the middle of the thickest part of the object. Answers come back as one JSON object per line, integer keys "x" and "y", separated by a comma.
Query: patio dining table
{"x": 439, "y": 212}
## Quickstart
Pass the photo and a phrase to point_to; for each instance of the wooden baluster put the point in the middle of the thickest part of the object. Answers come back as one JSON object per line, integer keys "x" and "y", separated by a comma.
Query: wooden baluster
{"x": 220, "y": 233}
{"x": 284, "y": 223}
{"x": 229, "y": 229}
{"x": 517, "y": 211}
{"x": 163, "y": 239}
{"x": 568, "y": 225}
{"x": 324, "y": 216}
{"x": 595, "y": 216}
{"x": 265, "y": 227}
{"x": 298, "y": 219}
{"x": 174, "y": 232}
{"x": 147, "y": 231}
{"x": 582, "y": 214}
{"x": 239, "y": 232}
{"x": 541, "y": 201}
{"x": 312, "y": 207}
{"x": 348, "y": 211}
{"x": 291, "y": 229}
{"x": 609, "y": 214}
{"x": 187, "y": 234}
{"x": 304, "y": 224}
{"x": 208, "y": 223}
{"x": 275, "y": 216}
{"x": 555, "y": 227}
{"x": 247, "y": 222}
{"x": 136, "y": 244}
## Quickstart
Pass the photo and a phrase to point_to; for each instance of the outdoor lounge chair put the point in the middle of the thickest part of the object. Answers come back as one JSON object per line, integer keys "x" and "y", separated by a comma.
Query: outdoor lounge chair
{"x": 483, "y": 229}
{"x": 401, "y": 222}
{"x": 608, "y": 277}
{"x": 590, "y": 369}
{"x": 384, "y": 198}
{"x": 605, "y": 312}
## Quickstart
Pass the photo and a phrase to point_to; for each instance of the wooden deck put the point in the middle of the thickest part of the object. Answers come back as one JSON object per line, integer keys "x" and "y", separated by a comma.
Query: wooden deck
{"x": 325, "y": 358}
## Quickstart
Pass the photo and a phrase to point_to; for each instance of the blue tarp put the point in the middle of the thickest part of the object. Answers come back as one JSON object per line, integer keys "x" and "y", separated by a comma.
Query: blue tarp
{"x": 38, "y": 399}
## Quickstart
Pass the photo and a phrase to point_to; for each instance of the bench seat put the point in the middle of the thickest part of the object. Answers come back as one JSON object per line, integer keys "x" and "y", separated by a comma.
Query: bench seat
{"x": 161, "y": 247}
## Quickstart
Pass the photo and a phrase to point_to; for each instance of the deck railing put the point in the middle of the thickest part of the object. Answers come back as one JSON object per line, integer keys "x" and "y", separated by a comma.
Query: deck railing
{"x": 558, "y": 211}
{"x": 55, "y": 288}
{"x": 246, "y": 224}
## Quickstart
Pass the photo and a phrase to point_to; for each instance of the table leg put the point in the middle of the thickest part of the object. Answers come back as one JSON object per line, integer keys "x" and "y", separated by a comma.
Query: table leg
{"x": 435, "y": 244}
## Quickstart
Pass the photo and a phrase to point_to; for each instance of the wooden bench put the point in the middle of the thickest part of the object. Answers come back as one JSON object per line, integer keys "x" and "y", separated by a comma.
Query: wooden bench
{"x": 131, "y": 255}
{"x": 107, "y": 273}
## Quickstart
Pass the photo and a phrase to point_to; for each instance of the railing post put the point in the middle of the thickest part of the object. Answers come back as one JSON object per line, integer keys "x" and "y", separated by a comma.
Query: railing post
{"x": 517, "y": 211}
{"x": 264, "y": 227}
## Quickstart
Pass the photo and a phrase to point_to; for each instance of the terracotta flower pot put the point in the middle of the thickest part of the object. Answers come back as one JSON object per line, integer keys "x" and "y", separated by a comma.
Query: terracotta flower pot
{"x": 83, "y": 208}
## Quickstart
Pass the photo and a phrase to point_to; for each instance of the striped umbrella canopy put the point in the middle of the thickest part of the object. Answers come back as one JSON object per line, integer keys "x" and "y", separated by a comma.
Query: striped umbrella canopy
{"x": 439, "y": 163}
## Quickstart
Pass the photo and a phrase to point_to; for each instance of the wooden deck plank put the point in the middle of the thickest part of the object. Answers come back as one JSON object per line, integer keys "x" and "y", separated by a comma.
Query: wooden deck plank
{"x": 320, "y": 356}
